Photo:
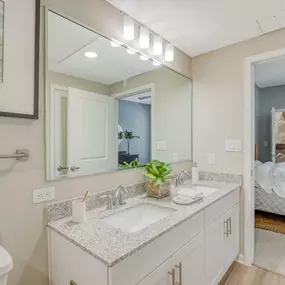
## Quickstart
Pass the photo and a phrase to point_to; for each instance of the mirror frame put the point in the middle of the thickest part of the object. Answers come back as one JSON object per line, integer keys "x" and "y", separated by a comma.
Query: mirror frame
{"x": 35, "y": 115}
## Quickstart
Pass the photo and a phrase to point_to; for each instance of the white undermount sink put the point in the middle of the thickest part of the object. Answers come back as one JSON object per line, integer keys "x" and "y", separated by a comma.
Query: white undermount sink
{"x": 138, "y": 217}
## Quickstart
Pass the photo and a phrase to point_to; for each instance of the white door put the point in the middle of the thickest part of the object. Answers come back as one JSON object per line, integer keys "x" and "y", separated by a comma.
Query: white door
{"x": 189, "y": 262}
{"x": 273, "y": 135}
{"x": 231, "y": 246}
{"x": 92, "y": 132}
{"x": 214, "y": 251}
{"x": 160, "y": 276}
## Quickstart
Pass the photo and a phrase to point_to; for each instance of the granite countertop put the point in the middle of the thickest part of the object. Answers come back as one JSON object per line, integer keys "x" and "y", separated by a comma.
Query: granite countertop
{"x": 111, "y": 245}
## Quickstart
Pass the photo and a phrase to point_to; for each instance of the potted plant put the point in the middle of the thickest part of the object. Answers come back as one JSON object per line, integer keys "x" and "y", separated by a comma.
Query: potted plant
{"x": 129, "y": 136}
{"x": 158, "y": 173}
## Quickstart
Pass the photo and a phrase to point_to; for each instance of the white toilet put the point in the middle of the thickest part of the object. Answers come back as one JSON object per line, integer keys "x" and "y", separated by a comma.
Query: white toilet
{"x": 6, "y": 265}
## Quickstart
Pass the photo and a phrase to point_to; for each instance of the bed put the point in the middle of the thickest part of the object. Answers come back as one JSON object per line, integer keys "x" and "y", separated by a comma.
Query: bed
{"x": 271, "y": 203}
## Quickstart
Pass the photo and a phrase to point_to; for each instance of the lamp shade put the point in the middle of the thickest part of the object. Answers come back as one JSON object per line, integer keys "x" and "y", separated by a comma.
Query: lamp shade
{"x": 144, "y": 37}
{"x": 129, "y": 28}
{"x": 169, "y": 52}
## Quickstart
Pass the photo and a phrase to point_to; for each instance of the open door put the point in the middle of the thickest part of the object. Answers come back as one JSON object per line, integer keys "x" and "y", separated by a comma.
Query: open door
{"x": 92, "y": 132}
{"x": 273, "y": 135}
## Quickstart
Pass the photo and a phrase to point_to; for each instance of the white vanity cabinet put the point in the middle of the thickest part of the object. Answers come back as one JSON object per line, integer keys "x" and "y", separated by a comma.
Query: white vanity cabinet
{"x": 198, "y": 251}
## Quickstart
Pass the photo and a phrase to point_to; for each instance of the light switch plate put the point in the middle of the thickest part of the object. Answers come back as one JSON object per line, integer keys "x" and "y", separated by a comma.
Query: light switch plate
{"x": 161, "y": 145}
{"x": 233, "y": 145}
{"x": 43, "y": 194}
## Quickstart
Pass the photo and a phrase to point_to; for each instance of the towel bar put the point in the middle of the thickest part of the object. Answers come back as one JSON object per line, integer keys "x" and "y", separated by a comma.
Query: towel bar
{"x": 21, "y": 154}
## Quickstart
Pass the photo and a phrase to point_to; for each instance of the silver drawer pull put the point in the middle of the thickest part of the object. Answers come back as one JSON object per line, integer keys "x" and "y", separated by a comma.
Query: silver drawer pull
{"x": 226, "y": 225}
{"x": 172, "y": 273}
{"x": 180, "y": 273}
{"x": 230, "y": 229}
{"x": 74, "y": 168}
{"x": 61, "y": 168}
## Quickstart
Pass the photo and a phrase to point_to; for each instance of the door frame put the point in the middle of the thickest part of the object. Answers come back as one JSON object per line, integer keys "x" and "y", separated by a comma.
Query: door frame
{"x": 136, "y": 90}
{"x": 249, "y": 127}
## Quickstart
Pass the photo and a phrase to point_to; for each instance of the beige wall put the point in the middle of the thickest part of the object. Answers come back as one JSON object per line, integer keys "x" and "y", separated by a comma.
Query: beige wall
{"x": 171, "y": 107}
{"x": 22, "y": 225}
{"x": 218, "y": 101}
{"x": 75, "y": 82}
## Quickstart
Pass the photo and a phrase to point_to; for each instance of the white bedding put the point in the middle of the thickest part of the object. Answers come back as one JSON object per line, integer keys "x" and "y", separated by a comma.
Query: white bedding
{"x": 270, "y": 177}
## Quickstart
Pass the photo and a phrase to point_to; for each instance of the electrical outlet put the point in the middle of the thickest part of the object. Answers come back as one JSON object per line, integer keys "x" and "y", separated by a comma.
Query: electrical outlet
{"x": 43, "y": 194}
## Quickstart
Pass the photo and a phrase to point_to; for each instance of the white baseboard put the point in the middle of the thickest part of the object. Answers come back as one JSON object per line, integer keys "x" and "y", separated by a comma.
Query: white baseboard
{"x": 240, "y": 259}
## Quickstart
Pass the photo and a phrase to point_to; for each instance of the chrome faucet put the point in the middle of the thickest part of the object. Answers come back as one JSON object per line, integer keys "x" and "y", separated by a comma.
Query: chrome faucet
{"x": 120, "y": 192}
{"x": 180, "y": 179}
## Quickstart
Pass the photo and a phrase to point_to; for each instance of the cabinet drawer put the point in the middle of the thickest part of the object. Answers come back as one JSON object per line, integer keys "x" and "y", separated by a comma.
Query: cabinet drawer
{"x": 134, "y": 268}
{"x": 214, "y": 211}
{"x": 69, "y": 262}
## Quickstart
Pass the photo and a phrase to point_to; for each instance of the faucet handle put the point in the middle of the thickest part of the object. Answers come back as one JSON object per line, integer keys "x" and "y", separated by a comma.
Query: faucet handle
{"x": 109, "y": 201}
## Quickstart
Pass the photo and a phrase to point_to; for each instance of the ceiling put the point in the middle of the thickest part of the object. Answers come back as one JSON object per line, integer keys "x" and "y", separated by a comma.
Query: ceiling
{"x": 270, "y": 73}
{"x": 200, "y": 26}
{"x": 67, "y": 43}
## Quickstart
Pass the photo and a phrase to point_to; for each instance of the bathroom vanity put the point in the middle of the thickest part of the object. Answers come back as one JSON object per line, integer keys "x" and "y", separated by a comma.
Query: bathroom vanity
{"x": 149, "y": 242}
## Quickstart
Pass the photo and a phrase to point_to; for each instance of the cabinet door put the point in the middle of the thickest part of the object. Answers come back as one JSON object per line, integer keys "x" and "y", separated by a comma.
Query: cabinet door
{"x": 232, "y": 241}
{"x": 215, "y": 251}
{"x": 189, "y": 262}
{"x": 160, "y": 276}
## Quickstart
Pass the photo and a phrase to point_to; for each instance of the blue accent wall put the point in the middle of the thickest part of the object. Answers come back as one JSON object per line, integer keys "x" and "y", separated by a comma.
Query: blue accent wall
{"x": 136, "y": 117}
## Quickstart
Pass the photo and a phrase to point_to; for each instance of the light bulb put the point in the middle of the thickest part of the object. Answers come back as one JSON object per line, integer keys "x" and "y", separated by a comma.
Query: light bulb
{"x": 157, "y": 45}
{"x": 115, "y": 43}
{"x": 156, "y": 63}
{"x": 169, "y": 52}
{"x": 129, "y": 28}
{"x": 131, "y": 51}
{"x": 143, "y": 57}
{"x": 91, "y": 54}
{"x": 144, "y": 37}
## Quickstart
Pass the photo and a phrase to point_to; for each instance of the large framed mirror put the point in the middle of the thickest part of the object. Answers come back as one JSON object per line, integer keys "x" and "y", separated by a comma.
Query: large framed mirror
{"x": 109, "y": 108}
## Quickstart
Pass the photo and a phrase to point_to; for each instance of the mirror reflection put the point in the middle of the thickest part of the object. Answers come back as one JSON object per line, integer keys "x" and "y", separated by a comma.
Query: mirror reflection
{"x": 108, "y": 107}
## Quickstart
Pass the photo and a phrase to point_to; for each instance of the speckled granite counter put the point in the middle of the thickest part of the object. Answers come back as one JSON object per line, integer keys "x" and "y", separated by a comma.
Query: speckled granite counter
{"x": 110, "y": 245}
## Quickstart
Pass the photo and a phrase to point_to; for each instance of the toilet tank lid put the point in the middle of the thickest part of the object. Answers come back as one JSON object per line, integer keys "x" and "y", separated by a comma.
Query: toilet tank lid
{"x": 6, "y": 262}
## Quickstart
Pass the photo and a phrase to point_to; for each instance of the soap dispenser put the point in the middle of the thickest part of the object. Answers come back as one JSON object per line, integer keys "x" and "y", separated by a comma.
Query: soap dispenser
{"x": 195, "y": 173}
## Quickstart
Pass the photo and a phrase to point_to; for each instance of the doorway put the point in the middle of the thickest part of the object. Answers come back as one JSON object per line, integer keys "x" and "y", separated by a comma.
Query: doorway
{"x": 253, "y": 149}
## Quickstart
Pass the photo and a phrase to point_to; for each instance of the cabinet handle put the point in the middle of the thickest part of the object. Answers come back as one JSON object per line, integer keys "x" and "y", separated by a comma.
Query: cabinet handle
{"x": 72, "y": 282}
{"x": 74, "y": 168}
{"x": 180, "y": 273}
{"x": 230, "y": 221}
{"x": 172, "y": 273}
{"x": 226, "y": 224}
{"x": 61, "y": 168}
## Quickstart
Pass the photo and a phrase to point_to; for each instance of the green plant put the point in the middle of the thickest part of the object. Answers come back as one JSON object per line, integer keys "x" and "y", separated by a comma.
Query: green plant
{"x": 158, "y": 171}
{"x": 129, "y": 136}
{"x": 134, "y": 164}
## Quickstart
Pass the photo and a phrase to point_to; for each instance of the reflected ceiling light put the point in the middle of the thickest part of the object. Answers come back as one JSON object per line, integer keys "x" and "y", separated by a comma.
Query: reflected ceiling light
{"x": 144, "y": 37}
{"x": 115, "y": 43}
{"x": 129, "y": 28}
{"x": 131, "y": 51}
{"x": 156, "y": 63}
{"x": 157, "y": 45}
{"x": 90, "y": 54}
{"x": 169, "y": 52}
{"x": 143, "y": 57}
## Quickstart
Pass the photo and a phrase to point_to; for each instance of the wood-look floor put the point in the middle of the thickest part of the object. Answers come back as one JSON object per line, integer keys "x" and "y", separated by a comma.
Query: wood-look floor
{"x": 243, "y": 275}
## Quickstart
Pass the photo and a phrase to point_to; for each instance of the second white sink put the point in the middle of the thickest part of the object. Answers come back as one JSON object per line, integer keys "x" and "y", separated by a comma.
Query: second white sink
{"x": 138, "y": 217}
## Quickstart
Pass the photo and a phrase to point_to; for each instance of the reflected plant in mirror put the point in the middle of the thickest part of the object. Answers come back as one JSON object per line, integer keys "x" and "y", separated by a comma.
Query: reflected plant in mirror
{"x": 106, "y": 108}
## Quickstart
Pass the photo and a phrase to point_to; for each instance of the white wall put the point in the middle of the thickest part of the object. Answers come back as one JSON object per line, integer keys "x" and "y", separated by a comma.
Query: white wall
{"x": 172, "y": 108}
{"x": 22, "y": 224}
